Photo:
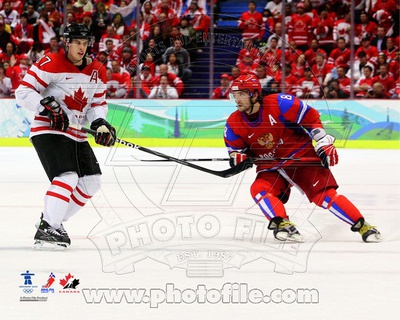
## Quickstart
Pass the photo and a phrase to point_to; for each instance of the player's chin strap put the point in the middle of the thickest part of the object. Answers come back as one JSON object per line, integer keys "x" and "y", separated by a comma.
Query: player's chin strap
{"x": 252, "y": 104}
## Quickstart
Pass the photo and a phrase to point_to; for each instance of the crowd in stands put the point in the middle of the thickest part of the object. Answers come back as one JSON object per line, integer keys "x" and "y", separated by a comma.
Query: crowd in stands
{"x": 148, "y": 54}
{"x": 316, "y": 48}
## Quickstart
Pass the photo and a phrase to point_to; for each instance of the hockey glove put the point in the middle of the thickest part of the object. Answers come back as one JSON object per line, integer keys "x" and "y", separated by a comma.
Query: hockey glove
{"x": 52, "y": 109}
{"x": 325, "y": 148}
{"x": 105, "y": 132}
{"x": 236, "y": 158}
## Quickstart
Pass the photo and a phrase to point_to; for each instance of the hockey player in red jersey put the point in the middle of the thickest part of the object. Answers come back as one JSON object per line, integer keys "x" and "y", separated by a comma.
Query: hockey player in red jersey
{"x": 66, "y": 91}
{"x": 278, "y": 126}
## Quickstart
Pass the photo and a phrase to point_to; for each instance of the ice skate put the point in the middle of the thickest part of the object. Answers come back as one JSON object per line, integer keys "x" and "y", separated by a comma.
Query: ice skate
{"x": 46, "y": 234}
{"x": 368, "y": 233}
{"x": 285, "y": 230}
{"x": 61, "y": 229}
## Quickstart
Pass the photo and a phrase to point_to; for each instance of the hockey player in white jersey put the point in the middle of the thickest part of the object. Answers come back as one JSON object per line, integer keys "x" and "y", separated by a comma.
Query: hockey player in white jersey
{"x": 66, "y": 91}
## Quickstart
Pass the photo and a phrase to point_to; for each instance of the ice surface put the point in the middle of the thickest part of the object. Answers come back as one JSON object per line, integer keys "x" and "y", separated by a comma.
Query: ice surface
{"x": 210, "y": 219}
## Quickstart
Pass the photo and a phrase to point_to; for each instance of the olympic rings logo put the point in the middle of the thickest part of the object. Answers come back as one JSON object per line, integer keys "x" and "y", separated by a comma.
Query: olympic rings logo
{"x": 28, "y": 290}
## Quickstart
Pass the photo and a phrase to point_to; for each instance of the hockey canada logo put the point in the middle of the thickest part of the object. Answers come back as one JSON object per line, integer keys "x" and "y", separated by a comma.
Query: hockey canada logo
{"x": 69, "y": 284}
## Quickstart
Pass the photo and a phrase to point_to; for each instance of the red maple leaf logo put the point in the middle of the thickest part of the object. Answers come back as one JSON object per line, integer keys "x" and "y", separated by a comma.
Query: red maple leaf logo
{"x": 77, "y": 102}
{"x": 64, "y": 282}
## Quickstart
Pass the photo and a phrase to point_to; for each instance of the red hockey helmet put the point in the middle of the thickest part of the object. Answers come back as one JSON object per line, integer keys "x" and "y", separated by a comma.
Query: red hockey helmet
{"x": 246, "y": 82}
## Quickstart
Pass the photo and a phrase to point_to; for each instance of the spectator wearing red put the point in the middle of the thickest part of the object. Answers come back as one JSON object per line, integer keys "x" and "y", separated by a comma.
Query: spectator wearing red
{"x": 146, "y": 80}
{"x": 311, "y": 53}
{"x": 298, "y": 67}
{"x": 390, "y": 50}
{"x": 17, "y": 72}
{"x": 248, "y": 47}
{"x": 53, "y": 14}
{"x": 308, "y": 86}
{"x": 364, "y": 29}
{"x": 247, "y": 66}
{"x": 116, "y": 86}
{"x": 269, "y": 24}
{"x": 300, "y": 28}
{"x": 386, "y": 5}
{"x": 370, "y": 50}
{"x": 128, "y": 59}
{"x": 344, "y": 81}
{"x": 102, "y": 57}
{"x": 310, "y": 10}
{"x": 9, "y": 54}
{"x": 272, "y": 53}
{"x": 222, "y": 92}
{"x": 290, "y": 80}
{"x": 23, "y": 34}
{"x": 384, "y": 19}
{"x": 396, "y": 94}
{"x": 45, "y": 30}
{"x": 341, "y": 55}
{"x": 251, "y": 23}
{"x": 173, "y": 80}
{"x": 125, "y": 75}
{"x": 18, "y": 6}
{"x": 341, "y": 28}
{"x": 54, "y": 47}
{"x": 394, "y": 65}
{"x": 292, "y": 52}
{"x": 364, "y": 84}
{"x": 322, "y": 70}
{"x": 323, "y": 30}
{"x": 144, "y": 28}
{"x": 385, "y": 79}
{"x": 170, "y": 14}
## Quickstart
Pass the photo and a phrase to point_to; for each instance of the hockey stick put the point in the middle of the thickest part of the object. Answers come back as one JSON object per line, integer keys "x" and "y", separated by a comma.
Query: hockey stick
{"x": 248, "y": 163}
{"x": 308, "y": 160}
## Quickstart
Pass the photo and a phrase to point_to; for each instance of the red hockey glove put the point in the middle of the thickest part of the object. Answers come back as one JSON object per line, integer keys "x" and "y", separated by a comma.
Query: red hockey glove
{"x": 236, "y": 158}
{"x": 52, "y": 109}
{"x": 105, "y": 132}
{"x": 325, "y": 148}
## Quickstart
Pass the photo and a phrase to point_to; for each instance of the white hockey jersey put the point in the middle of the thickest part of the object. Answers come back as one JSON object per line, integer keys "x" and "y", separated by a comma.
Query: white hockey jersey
{"x": 81, "y": 94}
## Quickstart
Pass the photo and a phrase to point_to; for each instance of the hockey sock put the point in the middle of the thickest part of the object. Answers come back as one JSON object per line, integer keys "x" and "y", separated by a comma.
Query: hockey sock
{"x": 57, "y": 198}
{"x": 86, "y": 188}
{"x": 270, "y": 205}
{"x": 340, "y": 206}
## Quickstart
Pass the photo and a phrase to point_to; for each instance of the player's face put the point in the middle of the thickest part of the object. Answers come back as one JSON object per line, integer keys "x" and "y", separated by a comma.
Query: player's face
{"x": 242, "y": 99}
{"x": 77, "y": 50}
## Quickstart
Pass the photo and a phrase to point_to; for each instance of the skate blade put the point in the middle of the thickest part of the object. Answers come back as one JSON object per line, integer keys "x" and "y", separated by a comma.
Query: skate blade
{"x": 47, "y": 245}
{"x": 284, "y": 236}
{"x": 374, "y": 238}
